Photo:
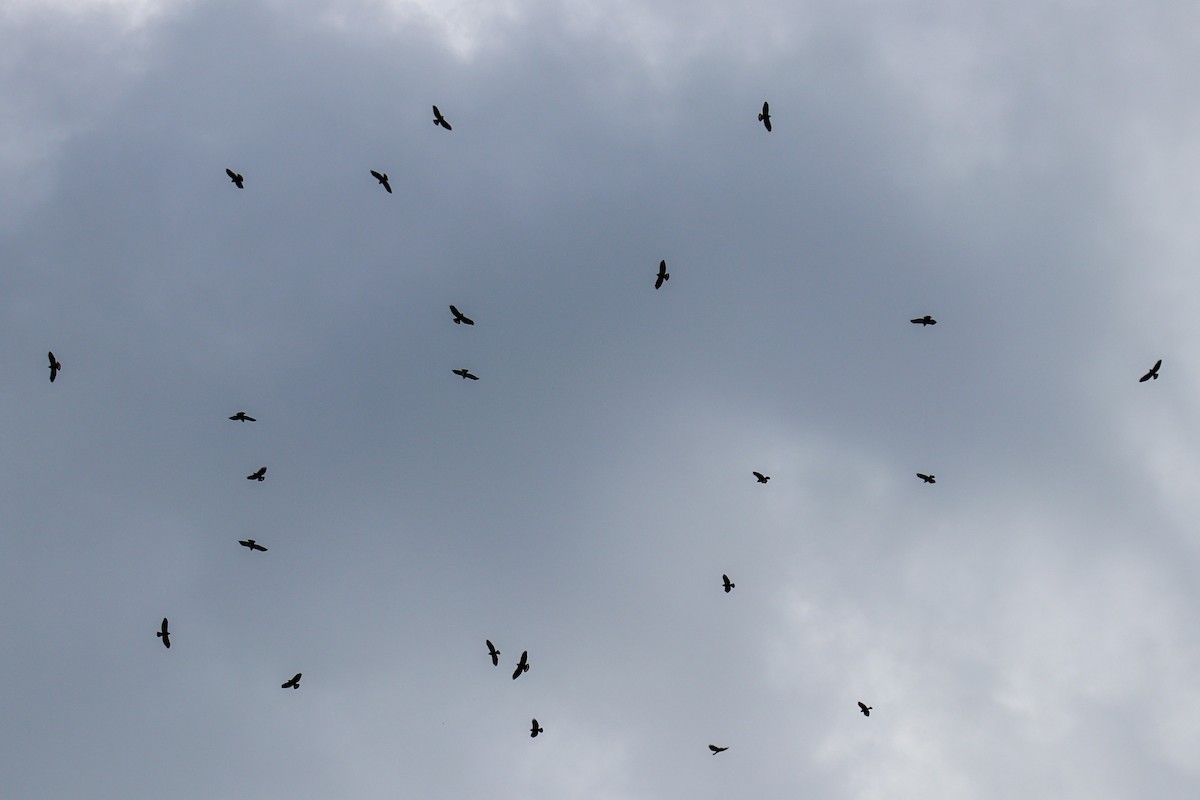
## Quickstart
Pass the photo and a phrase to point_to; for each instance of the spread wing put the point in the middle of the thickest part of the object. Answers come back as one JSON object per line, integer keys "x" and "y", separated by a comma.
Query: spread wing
{"x": 378, "y": 176}
{"x": 759, "y": 475}
{"x": 232, "y": 175}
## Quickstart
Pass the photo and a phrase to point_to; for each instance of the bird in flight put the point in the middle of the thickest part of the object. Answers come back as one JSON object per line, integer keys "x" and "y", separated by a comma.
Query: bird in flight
{"x": 235, "y": 177}
{"x": 762, "y": 478}
{"x": 465, "y": 373}
{"x": 383, "y": 180}
{"x": 927, "y": 478}
{"x": 923, "y": 321}
{"x": 54, "y": 367}
{"x": 294, "y": 683}
{"x": 534, "y": 730}
{"x": 261, "y": 475}
{"x": 728, "y": 584}
{"x": 522, "y": 665}
{"x": 165, "y": 635}
{"x": 460, "y": 318}
{"x": 494, "y": 653}
{"x": 663, "y": 275}
{"x": 241, "y": 417}
{"x": 253, "y": 545}
{"x": 716, "y": 749}
{"x": 1153, "y": 373}
{"x": 765, "y": 116}
{"x": 864, "y": 708}
{"x": 438, "y": 119}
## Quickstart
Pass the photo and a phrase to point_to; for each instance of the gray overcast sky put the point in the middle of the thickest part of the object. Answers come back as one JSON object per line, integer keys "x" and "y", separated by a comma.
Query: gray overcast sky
{"x": 1023, "y": 628}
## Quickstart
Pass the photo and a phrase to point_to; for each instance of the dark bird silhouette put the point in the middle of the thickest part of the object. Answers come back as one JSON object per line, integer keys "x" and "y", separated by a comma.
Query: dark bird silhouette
{"x": 253, "y": 545}
{"x": 926, "y": 478}
{"x": 728, "y": 584}
{"x": 762, "y": 478}
{"x": 460, "y": 318}
{"x": 923, "y": 321}
{"x": 261, "y": 475}
{"x": 241, "y": 417}
{"x": 465, "y": 373}
{"x": 1153, "y": 373}
{"x": 716, "y": 749}
{"x": 663, "y": 275}
{"x": 236, "y": 178}
{"x": 534, "y": 730}
{"x": 864, "y": 708}
{"x": 294, "y": 683}
{"x": 383, "y": 180}
{"x": 54, "y": 367}
{"x": 765, "y": 116}
{"x": 438, "y": 119}
{"x": 522, "y": 665}
{"x": 494, "y": 653}
{"x": 165, "y": 635}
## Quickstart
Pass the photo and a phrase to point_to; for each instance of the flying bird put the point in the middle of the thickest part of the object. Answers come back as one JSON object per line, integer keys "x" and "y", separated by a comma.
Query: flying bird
{"x": 438, "y": 119}
{"x": 522, "y": 665}
{"x": 765, "y": 116}
{"x": 716, "y": 749}
{"x": 383, "y": 180}
{"x": 261, "y": 475}
{"x": 762, "y": 478}
{"x": 927, "y": 478}
{"x": 494, "y": 653}
{"x": 728, "y": 584}
{"x": 241, "y": 417}
{"x": 294, "y": 683}
{"x": 253, "y": 545}
{"x": 165, "y": 635}
{"x": 460, "y": 318}
{"x": 534, "y": 730}
{"x": 663, "y": 275}
{"x": 923, "y": 321}
{"x": 236, "y": 178}
{"x": 864, "y": 708}
{"x": 54, "y": 367}
{"x": 1153, "y": 373}
{"x": 465, "y": 373}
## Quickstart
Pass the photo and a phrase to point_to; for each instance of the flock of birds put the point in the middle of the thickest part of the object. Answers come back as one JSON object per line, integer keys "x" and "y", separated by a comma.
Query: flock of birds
{"x": 459, "y": 318}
